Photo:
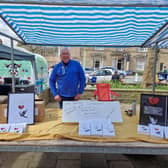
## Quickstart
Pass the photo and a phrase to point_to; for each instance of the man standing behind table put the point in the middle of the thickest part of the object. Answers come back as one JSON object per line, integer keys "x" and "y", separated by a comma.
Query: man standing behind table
{"x": 69, "y": 77}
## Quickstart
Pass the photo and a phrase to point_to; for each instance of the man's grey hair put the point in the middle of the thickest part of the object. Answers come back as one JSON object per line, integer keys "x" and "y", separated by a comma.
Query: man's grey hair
{"x": 64, "y": 49}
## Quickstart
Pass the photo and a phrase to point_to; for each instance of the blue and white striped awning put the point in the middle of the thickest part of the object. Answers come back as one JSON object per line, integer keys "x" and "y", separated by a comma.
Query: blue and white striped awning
{"x": 99, "y": 2}
{"x": 73, "y": 25}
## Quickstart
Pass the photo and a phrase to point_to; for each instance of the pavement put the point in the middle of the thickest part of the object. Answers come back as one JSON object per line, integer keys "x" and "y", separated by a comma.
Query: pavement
{"x": 75, "y": 160}
{"x": 79, "y": 160}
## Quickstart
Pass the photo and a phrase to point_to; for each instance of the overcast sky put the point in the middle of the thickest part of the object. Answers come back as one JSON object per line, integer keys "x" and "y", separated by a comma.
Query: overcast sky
{"x": 5, "y": 29}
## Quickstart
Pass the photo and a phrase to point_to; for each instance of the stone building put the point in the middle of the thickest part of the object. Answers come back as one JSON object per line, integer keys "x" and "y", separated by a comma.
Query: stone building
{"x": 120, "y": 58}
{"x": 96, "y": 57}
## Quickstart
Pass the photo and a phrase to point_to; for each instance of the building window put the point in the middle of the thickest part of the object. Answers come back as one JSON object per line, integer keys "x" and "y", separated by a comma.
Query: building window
{"x": 99, "y": 48}
{"x": 97, "y": 64}
{"x": 140, "y": 65}
{"x": 119, "y": 49}
{"x": 142, "y": 50}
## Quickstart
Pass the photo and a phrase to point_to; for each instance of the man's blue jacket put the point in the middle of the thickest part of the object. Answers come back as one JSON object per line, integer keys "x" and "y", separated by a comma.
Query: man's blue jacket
{"x": 70, "y": 79}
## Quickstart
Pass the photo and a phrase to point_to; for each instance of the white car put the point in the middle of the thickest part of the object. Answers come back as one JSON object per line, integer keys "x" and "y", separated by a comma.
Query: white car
{"x": 122, "y": 73}
{"x": 100, "y": 76}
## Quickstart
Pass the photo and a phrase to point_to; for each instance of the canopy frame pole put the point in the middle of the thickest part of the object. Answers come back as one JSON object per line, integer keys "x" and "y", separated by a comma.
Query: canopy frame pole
{"x": 158, "y": 41}
{"x": 154, "y": 67}
{"x": 155, "y": 34}
{"x": 7, "y": 36}
{"x": 12, "y": 63}
{"x": 22, "y": 40}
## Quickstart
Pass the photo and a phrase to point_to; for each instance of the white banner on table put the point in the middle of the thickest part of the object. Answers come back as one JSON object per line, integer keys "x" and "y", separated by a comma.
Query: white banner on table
{"x": 75, "y": 111}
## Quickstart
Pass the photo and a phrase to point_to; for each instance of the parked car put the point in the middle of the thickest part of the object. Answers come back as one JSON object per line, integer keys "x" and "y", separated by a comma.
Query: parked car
{"x": 88, "y": 71}
{"x": 120, "y": 72}
{"x": 100, "y": 75}
{"x": 130, "y": 72}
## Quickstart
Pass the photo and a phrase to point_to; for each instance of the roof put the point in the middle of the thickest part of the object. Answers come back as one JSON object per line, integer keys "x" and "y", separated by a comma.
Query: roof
{"x": 87, "y": 23}
{"x": 5, "y": 53}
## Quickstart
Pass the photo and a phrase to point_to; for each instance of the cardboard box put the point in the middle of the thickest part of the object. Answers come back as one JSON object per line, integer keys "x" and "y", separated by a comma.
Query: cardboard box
{"x": 3, "y": 113}
{"x": 3, "y": 99}
{"x": 39, "y": 112}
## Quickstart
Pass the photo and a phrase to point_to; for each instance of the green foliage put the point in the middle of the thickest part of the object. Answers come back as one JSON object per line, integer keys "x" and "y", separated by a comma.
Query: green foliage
{"x": 119, "y": 85}
{"x": 162, "y": 87}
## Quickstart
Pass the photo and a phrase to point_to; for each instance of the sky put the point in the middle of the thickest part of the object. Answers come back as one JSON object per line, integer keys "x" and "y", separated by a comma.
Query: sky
{"x": 5, "y": 29}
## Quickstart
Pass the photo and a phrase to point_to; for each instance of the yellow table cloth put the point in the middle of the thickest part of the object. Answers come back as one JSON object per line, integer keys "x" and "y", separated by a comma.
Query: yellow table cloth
{"x": 52, "y": 128}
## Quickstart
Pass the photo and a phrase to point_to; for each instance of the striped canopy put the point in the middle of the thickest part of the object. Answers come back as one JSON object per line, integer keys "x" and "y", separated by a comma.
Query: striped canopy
{"x": 77, "y": 25}
{"x": 100, "y": 2}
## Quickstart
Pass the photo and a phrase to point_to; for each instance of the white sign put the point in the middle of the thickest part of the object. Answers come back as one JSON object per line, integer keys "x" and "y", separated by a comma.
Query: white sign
{"x": 75, "y": 111}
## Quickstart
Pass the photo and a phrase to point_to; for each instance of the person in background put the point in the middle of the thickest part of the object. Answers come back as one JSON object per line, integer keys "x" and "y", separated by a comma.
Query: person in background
{"x": 116, "y": 77}
{"x": 165, "y": 73}
{"x": 69, "y": 77}
{"x": 165, "y": 70}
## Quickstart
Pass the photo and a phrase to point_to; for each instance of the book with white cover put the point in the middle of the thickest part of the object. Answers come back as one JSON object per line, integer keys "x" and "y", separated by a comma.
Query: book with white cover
{"x": 156, "y": 131}
{"x": 143, "y": 129}
{"x": 84, "y": 128}
{"x": 108, "y": 129}
{"x": 17, "y": 128}
{"x": 4, "y": 128}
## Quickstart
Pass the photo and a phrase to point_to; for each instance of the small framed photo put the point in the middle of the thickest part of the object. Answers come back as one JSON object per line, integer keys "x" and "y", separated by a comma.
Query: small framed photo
{"x": 21, "y": 108}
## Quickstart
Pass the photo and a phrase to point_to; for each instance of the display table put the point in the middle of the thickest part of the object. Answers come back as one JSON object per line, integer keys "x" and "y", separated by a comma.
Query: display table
{"x": 52, "y": 135}
{"x": 64, "y": 145}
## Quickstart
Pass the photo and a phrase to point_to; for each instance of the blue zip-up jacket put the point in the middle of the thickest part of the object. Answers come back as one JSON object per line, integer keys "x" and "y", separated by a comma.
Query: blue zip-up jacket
{"x": 70, "y": 79}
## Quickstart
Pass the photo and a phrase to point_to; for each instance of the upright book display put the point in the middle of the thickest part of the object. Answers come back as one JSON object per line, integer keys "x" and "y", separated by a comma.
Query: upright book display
{"x": 153, "y": 114}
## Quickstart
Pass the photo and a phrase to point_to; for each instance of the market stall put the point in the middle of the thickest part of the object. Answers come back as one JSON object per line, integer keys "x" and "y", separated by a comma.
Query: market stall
{"x": 90, "y": 23}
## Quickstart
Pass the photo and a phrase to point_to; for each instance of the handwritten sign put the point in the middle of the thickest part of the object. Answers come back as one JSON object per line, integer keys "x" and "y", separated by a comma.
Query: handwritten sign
{"x": 75, "y": 111}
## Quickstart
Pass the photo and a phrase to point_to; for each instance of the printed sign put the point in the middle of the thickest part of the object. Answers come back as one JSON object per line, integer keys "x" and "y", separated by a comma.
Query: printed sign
{"x": 21, "y": 108}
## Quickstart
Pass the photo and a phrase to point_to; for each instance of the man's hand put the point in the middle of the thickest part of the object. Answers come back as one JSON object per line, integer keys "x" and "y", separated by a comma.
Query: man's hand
{"x": 57, "y": 98}
{"x": 77, "y": 97}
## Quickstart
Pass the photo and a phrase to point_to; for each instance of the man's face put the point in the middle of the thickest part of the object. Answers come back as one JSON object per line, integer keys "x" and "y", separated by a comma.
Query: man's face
{"x": 65, "y": 56}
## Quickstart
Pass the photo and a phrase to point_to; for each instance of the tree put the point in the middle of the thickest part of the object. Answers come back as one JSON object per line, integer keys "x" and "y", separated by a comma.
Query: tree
{"x": 148, "y": 71}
